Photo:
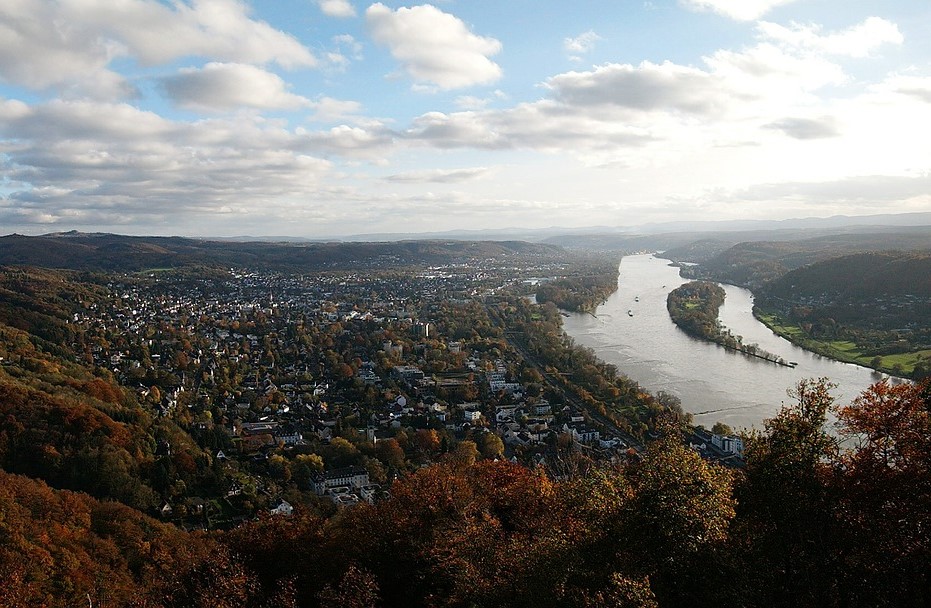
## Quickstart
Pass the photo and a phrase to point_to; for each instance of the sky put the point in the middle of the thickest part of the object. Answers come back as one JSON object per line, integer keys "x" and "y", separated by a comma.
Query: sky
{"x": 325, "y": 118}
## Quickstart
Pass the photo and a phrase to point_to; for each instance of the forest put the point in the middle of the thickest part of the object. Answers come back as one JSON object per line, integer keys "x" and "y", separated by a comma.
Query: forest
{"x": 807, "y": 522}
{"x": 580, "y": 292}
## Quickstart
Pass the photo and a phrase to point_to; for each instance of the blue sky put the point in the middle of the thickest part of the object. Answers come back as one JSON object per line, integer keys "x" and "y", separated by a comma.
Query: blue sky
{"x": 324, "y": 118}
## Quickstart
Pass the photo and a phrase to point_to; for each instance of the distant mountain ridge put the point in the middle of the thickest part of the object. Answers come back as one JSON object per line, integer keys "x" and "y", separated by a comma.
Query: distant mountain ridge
{"x": 111, "y": 252}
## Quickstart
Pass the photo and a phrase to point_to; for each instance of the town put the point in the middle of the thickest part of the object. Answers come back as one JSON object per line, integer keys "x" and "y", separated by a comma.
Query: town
{"x": 321, "y": 389}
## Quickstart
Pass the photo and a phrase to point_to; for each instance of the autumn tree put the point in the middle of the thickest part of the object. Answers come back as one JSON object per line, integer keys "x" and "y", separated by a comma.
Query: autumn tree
{"x": 786, "y": 514}
{"x": 679, "y": 516}
{"x": 885, "y": 486}
{"x": 490, "y": 445}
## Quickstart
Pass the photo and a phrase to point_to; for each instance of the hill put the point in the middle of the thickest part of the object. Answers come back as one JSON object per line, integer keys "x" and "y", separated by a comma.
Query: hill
{"x": 870, "y": 308}
{"x": 755, "y": 263}
{"x": 870, "y": 276}
{"x": 110, "y": 252}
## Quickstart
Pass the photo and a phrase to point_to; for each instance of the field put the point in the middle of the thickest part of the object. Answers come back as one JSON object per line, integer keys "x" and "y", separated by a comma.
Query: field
{"x": 843, "y": 350}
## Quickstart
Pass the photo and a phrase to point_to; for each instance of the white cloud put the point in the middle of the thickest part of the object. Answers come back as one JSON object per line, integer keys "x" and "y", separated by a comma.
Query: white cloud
{"x": 581, "y": 44}
{"x": 870, "y": 193}
{"x": 645, "y": 87}
{"x": 327, "y": 109}
{"x": 70, "y": 44}
{"x": 741, "y": 10}
{"x": 772, "y": 76}
{"x": 857, "y": 41}
{"x": 38, "y": 56}
{"x": 218, "y": 29}
{"x": 88, "y": 162}
{"x": 439, "y": 176}
{"x": 916, "y": 87}
{"x": 807, "y": 128}
{"x": 470, "y": 102}
{"x": 364, "y": 142}
{"x": 434, "y": 48}
{"x": 227, "y": 86}
{"x": 349, "y": 44}
{"x": 337, "y": 8}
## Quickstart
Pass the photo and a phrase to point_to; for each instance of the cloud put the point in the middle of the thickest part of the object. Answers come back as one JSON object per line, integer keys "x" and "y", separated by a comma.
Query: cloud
{"x": 544, "y": 126}
{"x": 740, "y": 10}
{"x": 434, "y": 48}
{"x": 656, "y": 114}
{"x": 75, "y": 54}
{"x": 363, "y": 142}
{"x": 218, "y": 29}
{"x": 581, "y": 44}
{"x": 327, "y": 109}
{"x": 350, "y": 44}
{"x": 916, "y": 87}
{"x": 772, "y": 74}
{"x": 857, "y": 41}
{"x": 83, "y": 161}
{"x": 874, "y": 191}
{"x": 337, "y": 8}
{"x": 438, "y": 176}
{"x": 646, "y": 87}
{"x": 807, "y": 128}
{"x": 37, "y": 56}
{"x": 470, "y": 102}
{"x": 228, "y": 86}
{"x": 346, "y": 50}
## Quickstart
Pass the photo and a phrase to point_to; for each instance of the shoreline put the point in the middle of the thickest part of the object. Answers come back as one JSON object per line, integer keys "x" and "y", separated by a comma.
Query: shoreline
{"x": 811, "y": 345}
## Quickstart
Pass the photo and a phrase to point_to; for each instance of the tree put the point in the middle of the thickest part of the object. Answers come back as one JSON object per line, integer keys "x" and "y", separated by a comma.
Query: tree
{"x": 885, "y": 494}
{"x": 389, "y": 452}
{"x": 680, "y": 514}
{"x": 490, "y": 445}
{"x": 341, "y": 453}
{"x": 463, "y": 456}
{"x": 720, "y": 428}
{"x": 787, "y": 513}
{"x": 427, "y": 441}
{"x": 357, "y": 589}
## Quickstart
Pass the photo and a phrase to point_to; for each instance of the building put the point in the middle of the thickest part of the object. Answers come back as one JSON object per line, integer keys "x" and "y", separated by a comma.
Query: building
{"x": 728, "y": 444}
{"x": 408, "y": 373}
{"x": 347, "y": 477}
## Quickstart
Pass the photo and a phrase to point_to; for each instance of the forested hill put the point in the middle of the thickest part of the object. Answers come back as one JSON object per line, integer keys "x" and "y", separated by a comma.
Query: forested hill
{"x": 753, "y": 264}
{"x": 864, "y": 275}
{"x": 110, "y": 252}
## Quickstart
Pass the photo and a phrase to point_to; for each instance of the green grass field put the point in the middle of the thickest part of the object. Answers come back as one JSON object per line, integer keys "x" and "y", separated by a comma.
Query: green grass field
{"x": 843, "y": 350}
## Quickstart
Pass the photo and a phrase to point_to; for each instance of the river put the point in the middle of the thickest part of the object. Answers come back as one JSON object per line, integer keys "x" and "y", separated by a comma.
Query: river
{"x": 714, "y": 384}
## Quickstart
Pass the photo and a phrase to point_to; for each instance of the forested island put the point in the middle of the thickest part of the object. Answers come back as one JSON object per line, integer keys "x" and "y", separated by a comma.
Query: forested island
{"x": 694, "y": 308}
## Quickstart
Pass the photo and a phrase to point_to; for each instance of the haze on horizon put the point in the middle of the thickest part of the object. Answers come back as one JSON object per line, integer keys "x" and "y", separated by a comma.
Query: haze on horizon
{"x": 322, "y": 118}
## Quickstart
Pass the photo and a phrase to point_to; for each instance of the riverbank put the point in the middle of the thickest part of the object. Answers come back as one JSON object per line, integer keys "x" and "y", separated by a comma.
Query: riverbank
{"x": 845, "y": 351}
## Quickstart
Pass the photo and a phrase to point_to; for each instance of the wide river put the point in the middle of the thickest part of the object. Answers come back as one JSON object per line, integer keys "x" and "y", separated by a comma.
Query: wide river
{"x": 713, "y": 383}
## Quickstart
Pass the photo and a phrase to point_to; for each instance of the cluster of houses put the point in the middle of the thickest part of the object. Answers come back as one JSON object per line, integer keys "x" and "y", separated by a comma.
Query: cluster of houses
{"x": 184, "y": 341}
